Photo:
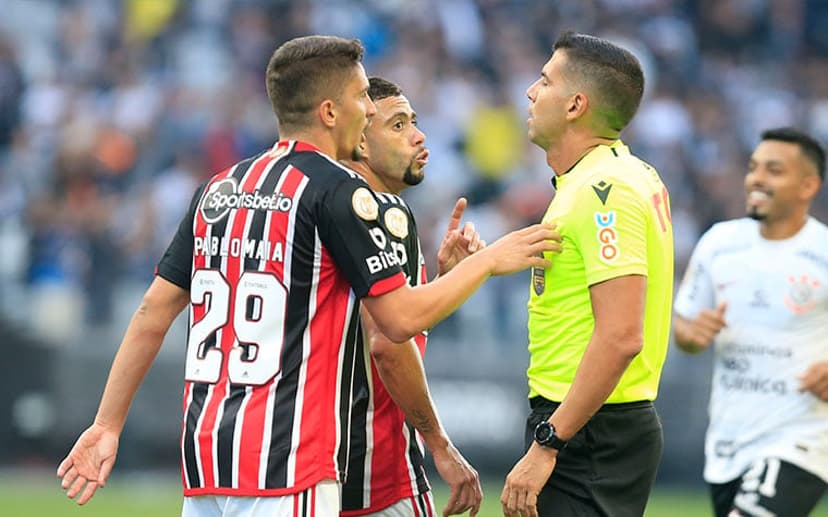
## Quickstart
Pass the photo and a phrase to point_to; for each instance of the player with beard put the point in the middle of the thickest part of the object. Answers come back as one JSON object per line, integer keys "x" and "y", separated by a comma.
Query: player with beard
{"x": 757, "y": 288}
{"x": 273, "y": 258}
{"x": 385, "y": 470}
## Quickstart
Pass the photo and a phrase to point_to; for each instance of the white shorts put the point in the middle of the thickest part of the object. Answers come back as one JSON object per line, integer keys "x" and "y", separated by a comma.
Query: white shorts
{"x": 320, "y": 500}
{"x": 414, "y": 506}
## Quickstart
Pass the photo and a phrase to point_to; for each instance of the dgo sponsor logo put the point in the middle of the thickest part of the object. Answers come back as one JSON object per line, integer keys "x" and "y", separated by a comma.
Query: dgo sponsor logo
{"x": 224, "y": 195}
{"x": 607, "y": 235}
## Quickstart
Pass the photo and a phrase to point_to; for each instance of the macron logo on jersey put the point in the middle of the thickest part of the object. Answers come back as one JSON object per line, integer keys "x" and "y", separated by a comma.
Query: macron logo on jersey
{"x": 224, "y": 195}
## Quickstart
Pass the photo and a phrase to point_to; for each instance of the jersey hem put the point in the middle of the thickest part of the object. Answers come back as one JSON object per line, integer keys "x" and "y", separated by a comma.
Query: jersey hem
{"x": 165, "y": 273}
{"x": 256, "y": 492}
{"x": 615, "y": 273}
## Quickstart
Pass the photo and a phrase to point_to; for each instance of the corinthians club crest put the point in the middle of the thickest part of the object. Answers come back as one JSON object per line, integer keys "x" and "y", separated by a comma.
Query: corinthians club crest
{"x": 800, "y": 297}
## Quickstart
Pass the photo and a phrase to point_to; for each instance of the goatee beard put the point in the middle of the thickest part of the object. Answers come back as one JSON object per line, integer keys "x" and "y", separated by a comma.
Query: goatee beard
{"x": 756, "y": 216}
{"x": 411, "y": 179}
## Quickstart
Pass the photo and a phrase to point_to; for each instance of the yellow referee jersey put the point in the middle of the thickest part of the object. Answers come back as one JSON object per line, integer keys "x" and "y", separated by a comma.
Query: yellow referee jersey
{"x": 613, "y": 213}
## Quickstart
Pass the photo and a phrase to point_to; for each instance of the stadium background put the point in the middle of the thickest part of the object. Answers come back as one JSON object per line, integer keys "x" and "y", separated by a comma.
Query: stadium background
{"x": 111, "y": 112}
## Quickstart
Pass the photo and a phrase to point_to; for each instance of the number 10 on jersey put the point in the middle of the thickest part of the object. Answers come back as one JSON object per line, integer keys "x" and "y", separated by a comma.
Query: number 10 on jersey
{"x": 258, "y": 316}
{"x": 661, "y": 203}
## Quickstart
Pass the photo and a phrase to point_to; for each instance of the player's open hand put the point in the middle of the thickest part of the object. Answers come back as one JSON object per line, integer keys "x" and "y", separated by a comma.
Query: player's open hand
{"x": 707, "y": 325}
{"x": 458, "y": 243}
{"x": 462, "y": 479}
{"x": 815, "y": 380}
{"x": 89, "y": 463}
{"x": 523, "y": 249}
{"x": 525, "y": 481}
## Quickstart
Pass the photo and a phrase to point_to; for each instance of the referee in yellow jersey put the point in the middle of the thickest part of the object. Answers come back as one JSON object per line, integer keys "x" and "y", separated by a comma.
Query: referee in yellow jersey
{"x": 599, "y": 317}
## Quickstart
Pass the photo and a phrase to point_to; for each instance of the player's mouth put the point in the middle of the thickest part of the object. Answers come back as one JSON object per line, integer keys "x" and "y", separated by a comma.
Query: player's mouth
{"x": 757, "y": 197}
{"x": 422, "y": 158}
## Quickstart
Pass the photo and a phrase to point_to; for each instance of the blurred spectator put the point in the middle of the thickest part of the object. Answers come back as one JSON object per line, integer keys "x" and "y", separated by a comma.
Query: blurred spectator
{"x": 111, "y": 113}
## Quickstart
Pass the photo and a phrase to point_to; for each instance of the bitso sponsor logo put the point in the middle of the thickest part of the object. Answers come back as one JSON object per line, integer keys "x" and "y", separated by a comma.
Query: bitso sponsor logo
{"x": 607, "y": 235}
{"x": 224, "y": 195}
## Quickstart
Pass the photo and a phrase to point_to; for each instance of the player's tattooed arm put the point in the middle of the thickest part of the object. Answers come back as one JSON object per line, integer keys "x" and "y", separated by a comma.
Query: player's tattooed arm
{"x": 400, "y": 367}
{"x": 422, "y": 421}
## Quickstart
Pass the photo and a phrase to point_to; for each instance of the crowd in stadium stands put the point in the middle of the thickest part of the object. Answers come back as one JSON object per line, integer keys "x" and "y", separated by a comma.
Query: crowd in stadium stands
{"x": 112, "y": 113}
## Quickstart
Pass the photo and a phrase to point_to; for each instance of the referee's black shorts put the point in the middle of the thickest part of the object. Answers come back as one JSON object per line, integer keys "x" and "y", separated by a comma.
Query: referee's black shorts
{"x": 608, "y": 467}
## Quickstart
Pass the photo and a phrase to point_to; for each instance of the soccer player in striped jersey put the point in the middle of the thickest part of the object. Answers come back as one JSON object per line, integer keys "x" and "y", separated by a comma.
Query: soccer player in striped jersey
{"x": 386, "y": 476}
{"x": 272, "y": 259}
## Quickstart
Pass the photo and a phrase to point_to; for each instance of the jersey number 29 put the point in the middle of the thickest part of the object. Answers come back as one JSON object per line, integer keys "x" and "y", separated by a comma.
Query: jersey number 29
{"x": 258, "y": 321}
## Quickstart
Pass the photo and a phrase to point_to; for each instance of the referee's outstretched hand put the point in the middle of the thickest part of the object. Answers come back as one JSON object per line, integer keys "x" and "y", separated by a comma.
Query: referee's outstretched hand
{"x": 526, "y": 480}
{"x": 523, "y": 249}
{"x": 89, "y": 463}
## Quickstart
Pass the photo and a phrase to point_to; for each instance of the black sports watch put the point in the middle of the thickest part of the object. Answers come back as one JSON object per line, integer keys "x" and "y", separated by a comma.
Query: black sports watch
{"x": 545, "y": 436}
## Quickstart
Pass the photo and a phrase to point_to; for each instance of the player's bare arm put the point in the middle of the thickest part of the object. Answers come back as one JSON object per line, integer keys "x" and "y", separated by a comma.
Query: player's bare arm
{"x": 90, "y": 461}
{"x": 458, "y": 243}
{"x": 405, "y": 311}
{"x": 696, "y": 335}
{"x": 618, "y": 307}
{"x": 815, "y": 380}
{"x": 401, "y": 370}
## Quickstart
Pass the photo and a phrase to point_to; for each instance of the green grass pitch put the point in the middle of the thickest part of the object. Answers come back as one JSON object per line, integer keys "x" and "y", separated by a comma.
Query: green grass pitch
{"x": 160, "y": 496}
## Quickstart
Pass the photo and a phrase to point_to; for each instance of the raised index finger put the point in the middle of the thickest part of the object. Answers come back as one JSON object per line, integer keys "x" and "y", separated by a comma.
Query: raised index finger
{"x": 457, "y": 214}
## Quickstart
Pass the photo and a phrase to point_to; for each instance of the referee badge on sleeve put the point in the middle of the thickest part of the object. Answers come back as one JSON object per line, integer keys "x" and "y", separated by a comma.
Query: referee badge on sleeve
{"x": 364, "y": 204}
{"x": 539, "y": 279}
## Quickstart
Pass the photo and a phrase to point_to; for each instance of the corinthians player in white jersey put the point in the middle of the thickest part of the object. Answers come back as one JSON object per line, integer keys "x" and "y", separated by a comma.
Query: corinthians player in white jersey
{"x": 757, "y": 287}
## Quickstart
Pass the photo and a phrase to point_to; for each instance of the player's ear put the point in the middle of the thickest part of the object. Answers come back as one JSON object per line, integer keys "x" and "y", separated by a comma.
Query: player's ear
{"x": 577, "y": 106}
{"x": 809, "y": 187}
{"x": 364, "y": 149}
{"x": 327, "y": 113}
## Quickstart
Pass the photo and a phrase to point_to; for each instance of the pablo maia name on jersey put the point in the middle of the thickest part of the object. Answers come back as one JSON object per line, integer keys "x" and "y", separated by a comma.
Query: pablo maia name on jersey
{"x": 220, "y": 198}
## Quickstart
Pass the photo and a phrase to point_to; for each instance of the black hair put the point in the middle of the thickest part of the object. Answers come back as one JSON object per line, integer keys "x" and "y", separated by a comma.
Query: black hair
{"x": 812, "y": 150}
{"x": 612, "y": 73}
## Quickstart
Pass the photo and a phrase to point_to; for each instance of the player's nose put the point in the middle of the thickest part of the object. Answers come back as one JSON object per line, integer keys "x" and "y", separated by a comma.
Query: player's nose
{"x": 419, "y": 136}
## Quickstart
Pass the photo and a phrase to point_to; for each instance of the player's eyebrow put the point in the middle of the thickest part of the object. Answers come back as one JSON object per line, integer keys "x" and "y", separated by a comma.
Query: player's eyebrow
{"x": 401, "y": 115}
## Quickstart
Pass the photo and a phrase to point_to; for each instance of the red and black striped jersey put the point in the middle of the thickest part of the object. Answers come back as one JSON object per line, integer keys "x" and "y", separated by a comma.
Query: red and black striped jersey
{"x": 276, "y": 252}
{"x": 385, "y": 463}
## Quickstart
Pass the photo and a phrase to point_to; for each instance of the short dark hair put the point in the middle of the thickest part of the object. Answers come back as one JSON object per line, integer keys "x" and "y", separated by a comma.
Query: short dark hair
{"x": 379, "y": 88}
{"x": 304, "y": 71}
{"x": 808, "y": 144}
{"x": 611, "y": 72}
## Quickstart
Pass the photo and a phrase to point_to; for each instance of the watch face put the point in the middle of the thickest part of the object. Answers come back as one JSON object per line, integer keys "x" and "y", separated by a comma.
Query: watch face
{"x": 543, "y": 432}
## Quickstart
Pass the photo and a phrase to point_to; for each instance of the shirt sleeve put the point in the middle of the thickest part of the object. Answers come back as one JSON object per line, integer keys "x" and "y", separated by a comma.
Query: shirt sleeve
{"x": 177, "y": 262}
{"x": 610, "y": 229}
{"x": 359, "y": 244}
{"x": 695, "y": 291}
